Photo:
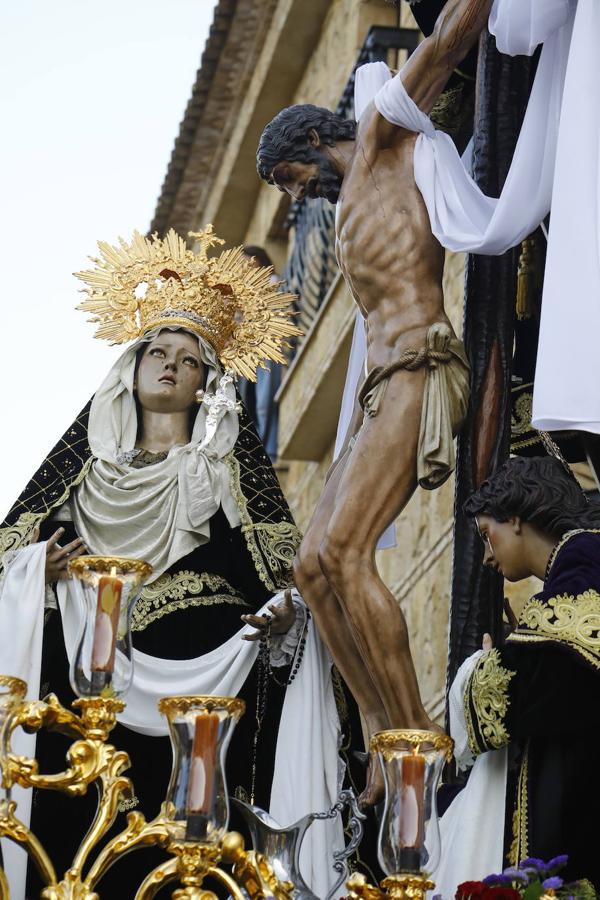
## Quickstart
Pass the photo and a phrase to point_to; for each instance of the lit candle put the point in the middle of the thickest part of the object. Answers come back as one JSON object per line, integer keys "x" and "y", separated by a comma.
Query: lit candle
{"x": 203, "y": 765}
{"x": 412, "y": 820}
{"x": 108, "y": 607}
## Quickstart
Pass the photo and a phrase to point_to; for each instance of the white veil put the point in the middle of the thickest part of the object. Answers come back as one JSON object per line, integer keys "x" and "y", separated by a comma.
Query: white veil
{"x": 160, "y": 512}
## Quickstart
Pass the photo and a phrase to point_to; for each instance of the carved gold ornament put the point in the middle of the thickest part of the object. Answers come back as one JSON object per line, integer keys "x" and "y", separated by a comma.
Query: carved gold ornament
{"x": 224, "y": 299}
{"x": 396, "y": 887}
{"x": 91, "y": 759}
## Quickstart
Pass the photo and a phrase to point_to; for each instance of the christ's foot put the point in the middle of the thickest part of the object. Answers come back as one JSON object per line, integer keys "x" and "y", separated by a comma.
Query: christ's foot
{"x": 374, "y": 791}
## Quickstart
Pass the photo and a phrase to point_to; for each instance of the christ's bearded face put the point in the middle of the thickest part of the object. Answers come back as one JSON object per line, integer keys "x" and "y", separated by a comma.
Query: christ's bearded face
{"x": 316, "y": 178}
{"x": 170, "y": 372}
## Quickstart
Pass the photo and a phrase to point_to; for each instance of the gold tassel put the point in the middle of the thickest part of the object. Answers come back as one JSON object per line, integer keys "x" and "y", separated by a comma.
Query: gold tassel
{"x": 526, "y": 279}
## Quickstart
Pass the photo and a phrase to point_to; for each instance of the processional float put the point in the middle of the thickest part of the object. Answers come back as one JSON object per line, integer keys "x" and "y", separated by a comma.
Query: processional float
{"x": 192, "y": 825}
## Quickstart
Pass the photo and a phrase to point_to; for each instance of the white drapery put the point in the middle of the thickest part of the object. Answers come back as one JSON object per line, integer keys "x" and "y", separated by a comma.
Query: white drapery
{"x": 307, "y": 774}
{"x": 555, "y": 165}
{"x": 472, "y": 828}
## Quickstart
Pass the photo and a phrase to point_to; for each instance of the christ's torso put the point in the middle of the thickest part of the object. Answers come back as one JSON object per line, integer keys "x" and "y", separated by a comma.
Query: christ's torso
{"x": 390, "y": 260}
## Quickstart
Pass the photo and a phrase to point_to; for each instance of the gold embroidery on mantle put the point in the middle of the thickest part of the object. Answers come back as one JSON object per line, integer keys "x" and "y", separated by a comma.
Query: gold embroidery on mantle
{"x": 572, "y": 620}
{"x": 275, "y": 542}
{"x": 180, "y": 591}
{"x": 519, "y": 849}
{"x": 488, "y": 689}
{"x": 520, "y": 422}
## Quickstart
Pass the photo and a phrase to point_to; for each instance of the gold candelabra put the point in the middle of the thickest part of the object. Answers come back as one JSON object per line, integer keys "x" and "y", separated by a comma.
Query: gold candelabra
{"x": 192, "y": 825}
{"x": 92, "y": 759}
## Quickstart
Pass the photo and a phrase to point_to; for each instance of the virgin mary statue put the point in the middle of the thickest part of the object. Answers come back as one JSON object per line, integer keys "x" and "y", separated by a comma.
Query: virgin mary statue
{"x": 164, "y": 465}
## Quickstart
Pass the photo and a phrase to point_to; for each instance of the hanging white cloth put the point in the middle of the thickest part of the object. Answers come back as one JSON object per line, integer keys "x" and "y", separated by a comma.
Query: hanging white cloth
{"x": 568, "y": 364}
{"x": 22, "y": 589}
{"x": 160, "y": 512}
{"x": 306, "y": 776}
{"x": 472, "y": 828}
{"x": 555, "y": 165}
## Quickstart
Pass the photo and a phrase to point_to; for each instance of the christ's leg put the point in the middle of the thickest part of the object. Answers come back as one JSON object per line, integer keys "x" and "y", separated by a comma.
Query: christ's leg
{"x": 376, "y": 484}
{"x": 328, "y": 614}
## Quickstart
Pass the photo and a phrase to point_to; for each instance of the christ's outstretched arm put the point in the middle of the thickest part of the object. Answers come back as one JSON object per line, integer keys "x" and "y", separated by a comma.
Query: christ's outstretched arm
{"x": 429, "y": 68}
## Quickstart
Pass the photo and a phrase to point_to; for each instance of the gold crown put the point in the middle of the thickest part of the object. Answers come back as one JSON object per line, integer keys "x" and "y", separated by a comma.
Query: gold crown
{"x": 225, "y": 299}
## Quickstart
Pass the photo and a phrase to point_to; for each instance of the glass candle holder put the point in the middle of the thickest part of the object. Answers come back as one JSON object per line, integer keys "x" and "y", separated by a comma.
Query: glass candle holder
{"x": 200, "y": 728}
{"x": 106, "y": 588}
{"x": 412, "y": 762}
{"x": 12, "y": 694}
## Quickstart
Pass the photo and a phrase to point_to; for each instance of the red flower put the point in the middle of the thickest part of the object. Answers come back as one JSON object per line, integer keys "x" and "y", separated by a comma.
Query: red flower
{"x": 477, "y": 890}
{"x": 472, "y": 890}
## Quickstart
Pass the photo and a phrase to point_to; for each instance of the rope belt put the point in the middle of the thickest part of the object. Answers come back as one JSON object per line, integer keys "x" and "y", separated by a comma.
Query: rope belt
{"x": 411, "y": 360}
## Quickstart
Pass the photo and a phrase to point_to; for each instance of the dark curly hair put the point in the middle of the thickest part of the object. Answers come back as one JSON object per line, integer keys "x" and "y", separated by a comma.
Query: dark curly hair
{"x": 539, "y": 491}
{"x": 286, "y": 136}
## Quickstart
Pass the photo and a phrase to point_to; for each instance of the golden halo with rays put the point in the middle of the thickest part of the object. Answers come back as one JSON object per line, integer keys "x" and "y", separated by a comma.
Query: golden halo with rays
{"x": 224, "y": 299}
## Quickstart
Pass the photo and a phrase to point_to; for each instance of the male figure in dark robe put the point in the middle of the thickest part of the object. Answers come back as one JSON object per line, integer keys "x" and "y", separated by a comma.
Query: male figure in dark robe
{"x": 539, "y": 694}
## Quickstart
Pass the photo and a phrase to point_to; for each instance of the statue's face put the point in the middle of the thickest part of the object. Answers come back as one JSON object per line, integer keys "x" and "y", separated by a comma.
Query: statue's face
{"x": 505, "y": 547}
{"x": 317, "y": 178}
{"x": 170, "y": 372}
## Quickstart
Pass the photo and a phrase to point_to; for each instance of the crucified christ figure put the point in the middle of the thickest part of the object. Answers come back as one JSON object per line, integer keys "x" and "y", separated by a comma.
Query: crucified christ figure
{"x": 414, "y": 397}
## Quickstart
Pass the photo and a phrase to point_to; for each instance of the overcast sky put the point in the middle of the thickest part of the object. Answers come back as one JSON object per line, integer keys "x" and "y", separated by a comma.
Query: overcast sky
{"x": 91, "y": 97}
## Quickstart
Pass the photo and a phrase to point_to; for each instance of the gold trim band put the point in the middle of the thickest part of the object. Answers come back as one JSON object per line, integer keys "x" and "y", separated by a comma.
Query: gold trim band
{"x": 203, "y": 703}
{"x": 103, "y": 565}
{"x": 384, "y": 741}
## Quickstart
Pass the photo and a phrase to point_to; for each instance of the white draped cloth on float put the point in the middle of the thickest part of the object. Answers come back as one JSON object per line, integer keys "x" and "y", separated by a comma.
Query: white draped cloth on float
{"x": 472, "y": 828}
{"x": 555, "y": 166}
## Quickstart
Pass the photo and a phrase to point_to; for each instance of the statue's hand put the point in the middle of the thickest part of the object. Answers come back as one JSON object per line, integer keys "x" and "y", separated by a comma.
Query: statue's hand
{"x": 487, "y": 642}
{"x": 57, "y": 557}
{"x": 283, "y": 616}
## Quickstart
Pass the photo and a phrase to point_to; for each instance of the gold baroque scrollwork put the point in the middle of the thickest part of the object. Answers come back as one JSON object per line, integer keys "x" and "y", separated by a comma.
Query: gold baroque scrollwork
{"x": 573, "y": 620}
{"x": 93, "y": 759}
{"x": 179, "y": 591}
{"x": 488, "y": 690}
